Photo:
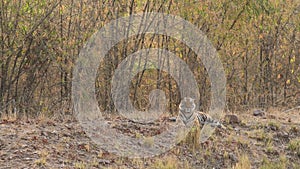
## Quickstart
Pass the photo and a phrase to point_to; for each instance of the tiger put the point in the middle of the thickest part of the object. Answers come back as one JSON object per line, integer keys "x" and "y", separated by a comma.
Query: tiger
{"x": 187, "y": 114}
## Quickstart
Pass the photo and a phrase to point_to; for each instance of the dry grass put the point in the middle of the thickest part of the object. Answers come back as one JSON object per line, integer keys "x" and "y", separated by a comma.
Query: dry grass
{"x": 42, "y": 161}
{"x": 168, "y": 163}
{"x": 294, "y": 145}
{"x": 80, "y": 165}
{"x": 8, "y": 117}
{"x": 244, "y": 162}
{"x": 192, "y": 139}
{"x": 281, "y": 164}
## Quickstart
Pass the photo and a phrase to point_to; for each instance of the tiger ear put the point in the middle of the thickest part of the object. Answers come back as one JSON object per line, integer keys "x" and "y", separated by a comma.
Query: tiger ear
{"x": 180, "y": 107}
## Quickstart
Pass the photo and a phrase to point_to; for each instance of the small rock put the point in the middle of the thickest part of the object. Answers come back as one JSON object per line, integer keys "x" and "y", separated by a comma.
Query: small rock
{"x": 258, "y": 113}
{"x": 285, "y": 134}
{"x": 104, "y": 161}
{"x": 231, "y": 118}
{"x": 233, "y": 157}
{"x": 274, "y": 128}
{"x": 172, "y": 119}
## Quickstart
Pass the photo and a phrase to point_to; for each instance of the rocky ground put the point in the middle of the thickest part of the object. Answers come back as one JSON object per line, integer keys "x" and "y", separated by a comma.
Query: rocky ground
{"x": 267, "y": 140}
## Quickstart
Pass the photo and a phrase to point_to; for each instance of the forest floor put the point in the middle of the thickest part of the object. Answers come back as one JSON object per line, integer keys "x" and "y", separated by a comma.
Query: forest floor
{"x": 270, "y": 141}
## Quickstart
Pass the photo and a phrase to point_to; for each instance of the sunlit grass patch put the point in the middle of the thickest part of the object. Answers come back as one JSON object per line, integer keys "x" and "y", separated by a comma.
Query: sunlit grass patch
{"x": 270, "y": 147}
{"x": 166, "y": 163}
{"x": 80, "y": 165}
{"x": 274, "y": 125}
{"x": 281, "y": 164}
{"x": 169, "y": 162}
{"x": 244, "y": 162}
{"x": 242, "y": 141}
{"x": 294, "y": 145}
{"x": 42, "y": 161}
{"x": 259, "y": 134}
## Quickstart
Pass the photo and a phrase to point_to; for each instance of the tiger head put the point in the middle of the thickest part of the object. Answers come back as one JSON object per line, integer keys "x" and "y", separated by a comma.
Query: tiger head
{"x": 187, "y": 104}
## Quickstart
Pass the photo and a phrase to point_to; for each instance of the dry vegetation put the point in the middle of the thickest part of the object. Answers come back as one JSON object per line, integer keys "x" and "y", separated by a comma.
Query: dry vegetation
{"x": 258, "y": 44}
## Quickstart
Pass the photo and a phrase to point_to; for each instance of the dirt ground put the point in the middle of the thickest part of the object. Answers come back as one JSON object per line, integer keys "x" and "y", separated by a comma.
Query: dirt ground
{"x": 269, "y": 141}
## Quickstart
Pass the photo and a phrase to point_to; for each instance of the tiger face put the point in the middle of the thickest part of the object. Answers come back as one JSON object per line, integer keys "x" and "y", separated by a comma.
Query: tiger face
{"x": 187, "y": 104}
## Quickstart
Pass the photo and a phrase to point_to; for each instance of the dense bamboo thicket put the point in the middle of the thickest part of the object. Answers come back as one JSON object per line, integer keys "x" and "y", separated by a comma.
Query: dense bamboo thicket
{"x": 257, "y": 41}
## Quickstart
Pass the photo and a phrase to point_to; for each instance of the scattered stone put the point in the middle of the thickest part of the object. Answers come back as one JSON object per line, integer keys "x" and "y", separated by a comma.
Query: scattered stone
{"x": 259, "y": 113}
{"x": 104, "y": 161}
{"x": 172, "y": 119}
{"x": 233, "y": 157}
{"x": 284, "y": 136}
{"x": 231, "y": 118}
{"x": 274, "y": 128}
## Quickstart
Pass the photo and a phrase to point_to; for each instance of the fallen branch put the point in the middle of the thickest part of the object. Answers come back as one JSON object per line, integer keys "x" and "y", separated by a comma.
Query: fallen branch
{"x": 298, "y": 107}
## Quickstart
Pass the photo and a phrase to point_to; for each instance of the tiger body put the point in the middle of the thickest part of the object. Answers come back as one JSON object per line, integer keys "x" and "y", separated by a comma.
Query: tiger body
{"x": 204, "y": 118}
